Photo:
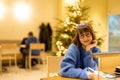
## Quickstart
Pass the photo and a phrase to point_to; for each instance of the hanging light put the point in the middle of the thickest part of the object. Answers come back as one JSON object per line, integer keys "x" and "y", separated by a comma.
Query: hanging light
{"x": 2, "y": 9}
{"x": 21, "y": 11}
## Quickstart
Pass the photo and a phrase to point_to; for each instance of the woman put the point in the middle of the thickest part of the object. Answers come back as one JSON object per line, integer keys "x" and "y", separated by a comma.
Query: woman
{"x": 77, "y": 59}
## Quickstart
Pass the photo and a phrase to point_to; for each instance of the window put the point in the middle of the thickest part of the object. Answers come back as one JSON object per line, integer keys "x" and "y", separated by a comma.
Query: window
{"x": 114, "y": 33}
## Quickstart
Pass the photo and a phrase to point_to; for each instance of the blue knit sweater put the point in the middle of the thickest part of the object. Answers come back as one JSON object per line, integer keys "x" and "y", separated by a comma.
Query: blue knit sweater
{"x": 76, "y": 61}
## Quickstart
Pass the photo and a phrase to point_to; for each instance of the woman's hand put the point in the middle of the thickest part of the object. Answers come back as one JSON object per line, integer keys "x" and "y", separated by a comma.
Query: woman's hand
{"x": 93, "y": 76}
{"x": 91, "y": 45}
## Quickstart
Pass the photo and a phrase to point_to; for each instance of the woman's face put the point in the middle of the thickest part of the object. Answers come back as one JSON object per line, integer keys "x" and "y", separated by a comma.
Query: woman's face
{"x": 85, "y": 38}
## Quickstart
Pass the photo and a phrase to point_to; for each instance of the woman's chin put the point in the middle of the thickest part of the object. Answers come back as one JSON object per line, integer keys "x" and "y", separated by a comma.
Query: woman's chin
{"x": 85, "y": 44}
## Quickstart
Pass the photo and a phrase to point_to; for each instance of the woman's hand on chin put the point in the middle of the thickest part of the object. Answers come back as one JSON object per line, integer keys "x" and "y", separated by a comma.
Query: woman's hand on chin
{"x": 91, "y": 45}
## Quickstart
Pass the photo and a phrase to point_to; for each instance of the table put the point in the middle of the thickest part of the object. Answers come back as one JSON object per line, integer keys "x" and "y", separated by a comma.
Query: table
{"x": 59, "y": 78}
{"x": 64, "y": 78}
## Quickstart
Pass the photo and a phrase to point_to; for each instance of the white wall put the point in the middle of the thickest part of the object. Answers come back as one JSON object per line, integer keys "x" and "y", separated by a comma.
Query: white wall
{"x": 42, "y": 11}
{"x": 113, "y": 7}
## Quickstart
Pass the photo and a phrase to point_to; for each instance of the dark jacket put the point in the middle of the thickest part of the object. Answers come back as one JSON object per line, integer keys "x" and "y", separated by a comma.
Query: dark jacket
{"x": 23, "y": 43}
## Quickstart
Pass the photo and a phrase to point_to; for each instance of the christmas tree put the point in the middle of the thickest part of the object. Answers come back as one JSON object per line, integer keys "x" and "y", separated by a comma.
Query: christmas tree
{"x": 76, "y": 13}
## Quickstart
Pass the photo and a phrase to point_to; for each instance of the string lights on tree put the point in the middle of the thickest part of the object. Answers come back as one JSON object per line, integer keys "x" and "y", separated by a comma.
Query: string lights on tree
{"x": 76, "y": 13}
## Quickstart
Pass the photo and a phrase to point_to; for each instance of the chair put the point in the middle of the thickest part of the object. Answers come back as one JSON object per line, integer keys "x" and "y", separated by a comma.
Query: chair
{"x": 8, "y": 52}
{"x": 35, "y": 46}
{"x": 53, "y": 65}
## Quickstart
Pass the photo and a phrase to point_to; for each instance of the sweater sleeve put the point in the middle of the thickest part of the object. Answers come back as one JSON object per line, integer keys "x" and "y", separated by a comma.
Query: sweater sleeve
{"x": 68, "y": 64}
{"x": 91, "y": 61}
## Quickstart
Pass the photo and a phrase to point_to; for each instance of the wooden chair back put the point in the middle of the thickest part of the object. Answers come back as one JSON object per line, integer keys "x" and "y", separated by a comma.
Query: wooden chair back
{"x": 40, "y": 46}
{"x": 8, "y": 51}
{"x": 53, "y": 64}
{"x": 9, "y": 48}
{"x": 35, "y": 46}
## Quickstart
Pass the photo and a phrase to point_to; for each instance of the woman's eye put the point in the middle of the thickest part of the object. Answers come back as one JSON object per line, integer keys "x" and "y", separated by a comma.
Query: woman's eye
{"x": 82, "y": 35}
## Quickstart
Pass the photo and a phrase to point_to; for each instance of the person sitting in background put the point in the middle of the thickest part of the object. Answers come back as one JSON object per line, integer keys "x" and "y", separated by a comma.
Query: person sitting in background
{"x": 23, "y": 51}
{"x": 32, "y": 39}
{"x": 77, "y": 58}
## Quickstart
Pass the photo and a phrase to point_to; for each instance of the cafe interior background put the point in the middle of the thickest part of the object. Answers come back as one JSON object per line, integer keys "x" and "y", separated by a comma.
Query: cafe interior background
{"x": 16, "y": 23}
{"x": 18, "y": 17}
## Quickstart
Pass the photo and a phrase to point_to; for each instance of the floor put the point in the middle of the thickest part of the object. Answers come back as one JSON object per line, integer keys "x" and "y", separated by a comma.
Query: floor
{"x": 36, "y": 73}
